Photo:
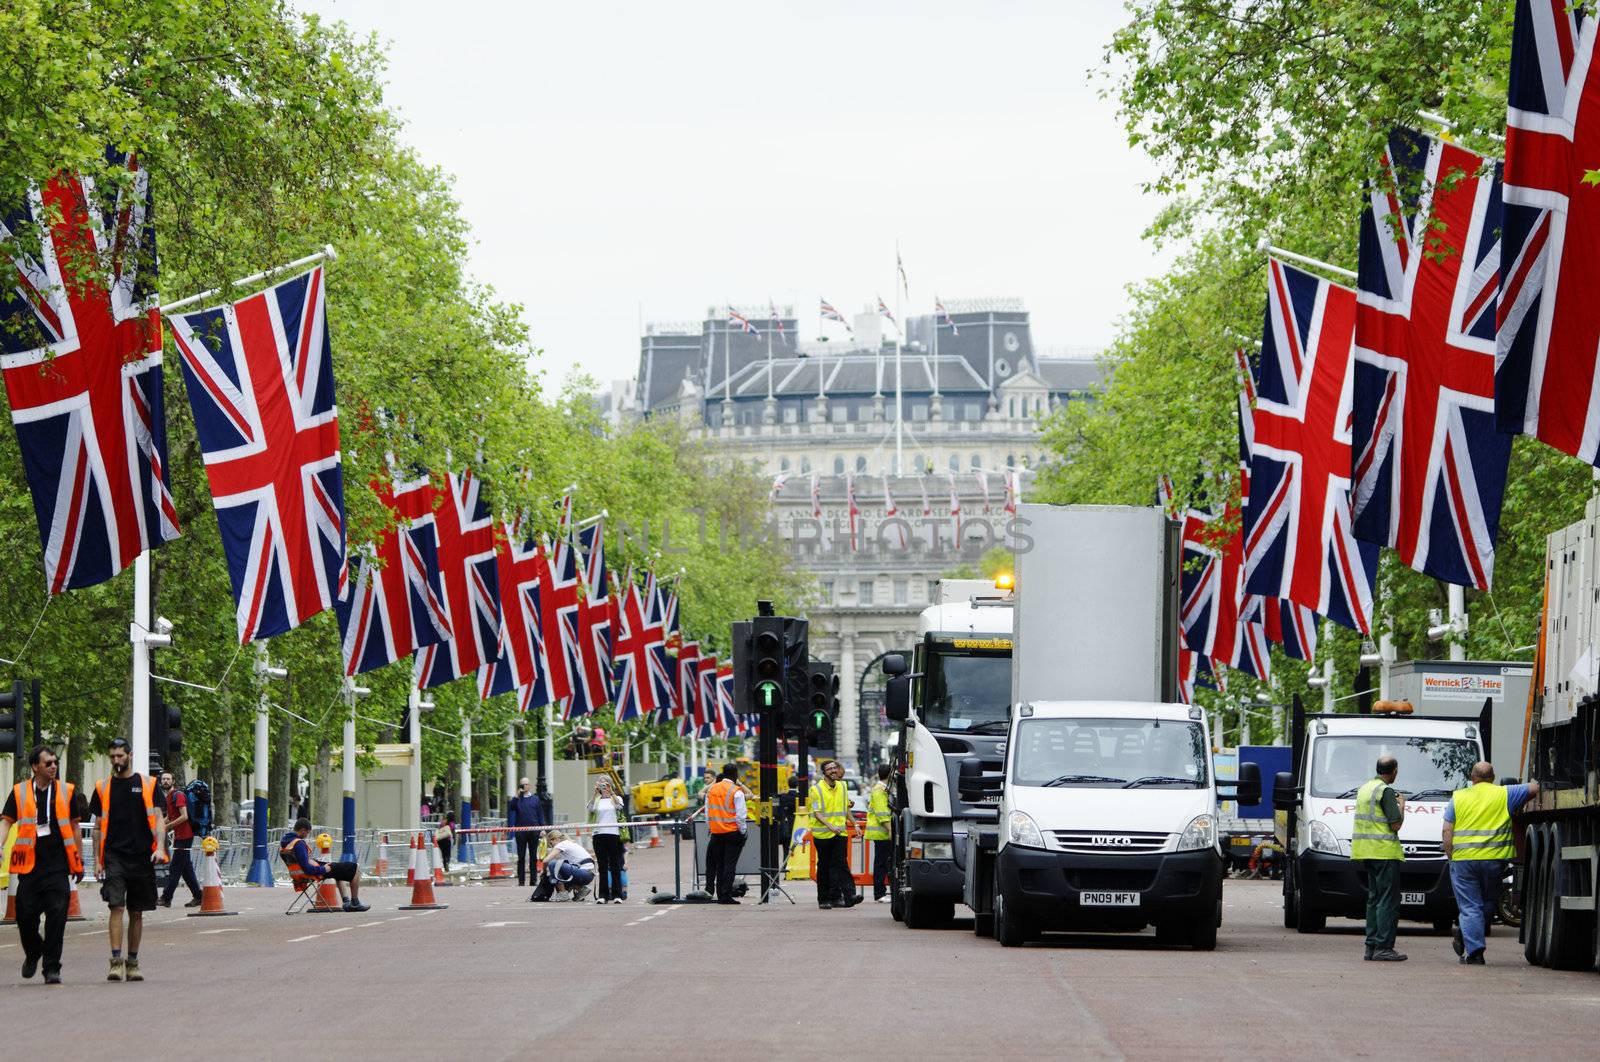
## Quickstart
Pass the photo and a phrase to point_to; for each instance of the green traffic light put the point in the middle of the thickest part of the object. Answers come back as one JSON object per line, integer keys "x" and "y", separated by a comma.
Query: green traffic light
{"x": 768, "y": 692}
{"x": 819, "y": 719}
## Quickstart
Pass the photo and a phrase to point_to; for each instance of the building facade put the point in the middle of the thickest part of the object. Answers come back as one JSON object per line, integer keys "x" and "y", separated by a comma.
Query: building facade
{"x": 928, "y": 439}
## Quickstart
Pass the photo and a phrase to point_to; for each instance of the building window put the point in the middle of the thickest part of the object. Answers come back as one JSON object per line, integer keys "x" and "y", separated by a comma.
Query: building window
{"x": 783, "y": 464}
{"x": 805, "y": 465}
{"x": 955, "y": 462}
{"x": 1011, "y": 460}
{"x": 864, "y": 591}
{"x": 919, "y": 413}
{"x": 791, "y": 415}
{"x": 838, "y": 466}
{"x": 902, "y": 592}
{"x": 861, "y": 466}
{"x": 974, "y": 410}
{"x": 841, "y": 414}
{"x": 826, "y": 588}
{"x": 977, "y": 462}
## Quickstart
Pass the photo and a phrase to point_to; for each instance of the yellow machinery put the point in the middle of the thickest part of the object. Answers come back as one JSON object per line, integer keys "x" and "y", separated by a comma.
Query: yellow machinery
{"x": 663, "y": 796}
{"x": 750, "y": 777}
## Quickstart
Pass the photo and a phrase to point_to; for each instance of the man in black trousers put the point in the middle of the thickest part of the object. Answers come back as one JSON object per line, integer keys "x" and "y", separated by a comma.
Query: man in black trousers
{"x": 526, "y": 809}
{"x": 46, "y": 853}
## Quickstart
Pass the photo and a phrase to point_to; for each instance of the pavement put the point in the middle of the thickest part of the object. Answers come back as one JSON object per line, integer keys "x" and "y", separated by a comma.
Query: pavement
{"x": 494, "y": 976}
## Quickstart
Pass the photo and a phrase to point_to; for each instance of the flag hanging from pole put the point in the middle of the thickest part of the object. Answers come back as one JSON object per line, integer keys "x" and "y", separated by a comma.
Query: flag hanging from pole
{"x": 854, "y": 511}
{"x": 471, "y": 579}
{"x": 955, "y": 511}
{"x": 983, "y": 486}
{"x": 82, "y": 367}
{"x": 944, "y": 314}
{"x": 830, "y": 313}
{"x": 892, "y": 514}
{"x": 743, "y": 322}
{"x": 883, "y": 311}
{"x": 396, "y": 600}
{"x": 777, "y": 485}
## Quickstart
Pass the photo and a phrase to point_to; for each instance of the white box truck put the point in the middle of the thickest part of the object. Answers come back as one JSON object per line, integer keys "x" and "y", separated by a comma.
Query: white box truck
{"x": 1107, "y": 801}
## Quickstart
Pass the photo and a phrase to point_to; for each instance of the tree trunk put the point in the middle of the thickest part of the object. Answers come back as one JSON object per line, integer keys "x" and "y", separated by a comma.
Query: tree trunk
{"x": 280, "y": 801}
{"x": 74, "y": 765}
{"x": 326, "y": 810}
{"x": 224, "y": 805}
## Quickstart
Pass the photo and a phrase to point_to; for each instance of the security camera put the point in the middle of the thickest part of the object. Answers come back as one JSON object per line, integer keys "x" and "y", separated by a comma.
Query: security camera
{"x": 425, "y": 706}
{"x": 163, "y": 625}
{"x": 1316, "y": 682}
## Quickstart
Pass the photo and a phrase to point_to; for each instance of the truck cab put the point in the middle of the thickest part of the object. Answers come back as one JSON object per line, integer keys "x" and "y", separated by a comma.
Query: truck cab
{"x": 1108, "y": 823}
{"x": 953, "y": 706}
{"x": 1334, "y": 755}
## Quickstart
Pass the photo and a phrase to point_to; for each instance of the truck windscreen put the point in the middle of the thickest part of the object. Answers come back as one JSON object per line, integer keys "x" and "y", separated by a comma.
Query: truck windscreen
{"x": 966, "y": 691}
{"x": 1110, "y": 754}
{"x": 1429, "y": 767}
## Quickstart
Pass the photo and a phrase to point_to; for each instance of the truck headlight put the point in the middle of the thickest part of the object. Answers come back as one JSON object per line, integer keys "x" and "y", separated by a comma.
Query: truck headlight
{"x": 1021, "y": 829}
{"x": 1200, "y": 833}
{"x": 1322, "y": 839}
{"x": 932, "y": 850}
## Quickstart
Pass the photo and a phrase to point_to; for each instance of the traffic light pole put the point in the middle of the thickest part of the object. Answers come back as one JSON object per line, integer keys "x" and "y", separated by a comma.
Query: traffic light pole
{"x": 767, "y": 753}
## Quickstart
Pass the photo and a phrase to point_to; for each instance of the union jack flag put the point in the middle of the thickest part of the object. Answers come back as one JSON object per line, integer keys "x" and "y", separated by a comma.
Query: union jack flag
{"x": 471, "y": 584}
{"x": 776, "y": 321}
{"x": 636, "y": 692}
{"x": 1298, "y": 540}
{"x": 854, "y": 511}
{"x": 396, "y": 600}
{"x": 705, "y": 701}
{"x": 688, "y": 690}
{"x": 777, "y": 485}
{"x": 592, "y": 686}
{"x": 659, "y": 630}
{"x": 557, "y": 612}
{"x": 1549, "y": 315}
{"x": 519, "y": 663}
{"x": 891, "y": 515}
{"x": 726, "y": 720}
{"x": 829, "y": 313}
{"x": 955, "y": 510}
{"x": 1216, "y": 616}
{"x": 944, "y": 316}
{"x": 1430, "y": 468}
{"x": 824, "y": 528}
{"x": 883, "y": 311}
{"x": 743, "y": 322}
{"x": 259, "y": 374}
{"x": 82, "y": 368}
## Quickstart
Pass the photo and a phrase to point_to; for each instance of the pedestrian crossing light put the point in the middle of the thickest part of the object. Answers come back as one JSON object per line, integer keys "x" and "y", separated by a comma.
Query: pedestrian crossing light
{"x": 768, "y": 696}
{"x": 823, "y": 692}
{"x": 11, "y": 715}
{"x": 767, "y": 663}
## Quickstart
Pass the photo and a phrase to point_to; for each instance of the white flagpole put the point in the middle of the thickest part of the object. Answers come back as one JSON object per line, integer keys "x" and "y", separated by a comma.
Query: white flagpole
{"x": 899, "y": 335}
{"x": 326, "y": 254}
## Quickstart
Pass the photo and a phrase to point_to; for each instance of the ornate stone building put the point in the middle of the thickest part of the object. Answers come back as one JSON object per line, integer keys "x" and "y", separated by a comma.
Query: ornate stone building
{"x": 972, "y": 391}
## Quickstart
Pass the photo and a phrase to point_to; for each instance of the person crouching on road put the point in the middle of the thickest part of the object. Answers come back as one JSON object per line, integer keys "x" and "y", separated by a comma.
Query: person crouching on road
{"x": 129, "y": 835}
{"x": 728, "y": 820}
{"x": 1478, "y": 841}
{"x": 346, "y": 874}
{"x": 878, "y": 819}
{"x": 1380, "y": 810}
{"x": 567, "y": 866}
{"x": 44, "y": 856}
{"x": 829, "y": 804}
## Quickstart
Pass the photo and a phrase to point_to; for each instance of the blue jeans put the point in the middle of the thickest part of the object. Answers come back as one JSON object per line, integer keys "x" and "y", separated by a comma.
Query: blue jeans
{"x": 1477, "y": 887}
{"x": 570, "y": 874}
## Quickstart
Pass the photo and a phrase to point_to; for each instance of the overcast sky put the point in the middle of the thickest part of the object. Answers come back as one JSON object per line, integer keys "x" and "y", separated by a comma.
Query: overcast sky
{"x": 619, "y": 161}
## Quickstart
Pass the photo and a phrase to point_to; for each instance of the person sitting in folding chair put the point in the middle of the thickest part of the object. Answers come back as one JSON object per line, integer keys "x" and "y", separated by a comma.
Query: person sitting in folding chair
{"x": 346, "y": 874}
{"x": 568, "y": 867}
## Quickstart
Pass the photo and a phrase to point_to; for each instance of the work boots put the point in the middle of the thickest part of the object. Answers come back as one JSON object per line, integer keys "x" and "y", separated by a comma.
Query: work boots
{"x": 132, "y": 970}
{"x": 119, "y": 969}
{"x": 1388, "y": 955}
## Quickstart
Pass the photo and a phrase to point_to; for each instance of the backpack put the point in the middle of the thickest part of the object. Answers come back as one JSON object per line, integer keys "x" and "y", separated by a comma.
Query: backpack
{"x": 198, "y": 796}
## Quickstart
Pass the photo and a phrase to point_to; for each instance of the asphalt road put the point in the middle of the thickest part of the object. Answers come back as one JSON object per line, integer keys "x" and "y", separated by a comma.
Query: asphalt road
{"x": 496, "y": 977}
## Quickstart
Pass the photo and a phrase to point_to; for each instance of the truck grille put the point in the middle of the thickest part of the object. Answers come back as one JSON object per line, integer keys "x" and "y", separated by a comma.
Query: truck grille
{"x": 1423, "y": 849}
{"x": 1109, "y": 842}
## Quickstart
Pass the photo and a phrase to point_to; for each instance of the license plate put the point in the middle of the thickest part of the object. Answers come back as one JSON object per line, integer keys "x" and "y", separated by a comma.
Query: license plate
{"x": 1413, "y": 899}
{"x": 1108, "y": 899}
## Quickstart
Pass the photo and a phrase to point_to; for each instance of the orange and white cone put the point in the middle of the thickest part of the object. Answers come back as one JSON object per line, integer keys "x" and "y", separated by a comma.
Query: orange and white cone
{"x": 411, "y": 860}
{"x": 11, "y": 903}
{"x": 381, "y": 866}
{"x": 655, "y": 836}
{"x": 210, "y": 883}
{"x": 421, "y": 882}
{"x": 498, "y": 871}
{"x": 437, "y": 860}
{"x": 74, "y": 907}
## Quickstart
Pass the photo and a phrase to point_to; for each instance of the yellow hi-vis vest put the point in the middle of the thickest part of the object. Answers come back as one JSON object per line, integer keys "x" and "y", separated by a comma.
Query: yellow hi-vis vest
{"x": 878, "y": 813}
{"x": 830, "y": 810}
{"x": 1483, "y": 823}
{"x": 1372, "y": 838}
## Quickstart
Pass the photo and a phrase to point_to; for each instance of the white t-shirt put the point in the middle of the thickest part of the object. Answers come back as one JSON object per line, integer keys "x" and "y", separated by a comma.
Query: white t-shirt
{"x": 567, "y": 852}
{"x": 605, "y": 810}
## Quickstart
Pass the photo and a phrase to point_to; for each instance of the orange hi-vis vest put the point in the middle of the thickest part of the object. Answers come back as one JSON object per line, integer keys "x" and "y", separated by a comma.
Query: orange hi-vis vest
{"x": 103, "y": 791}
{"x": 22, "y": 850}
{"x": 721, "y": 815}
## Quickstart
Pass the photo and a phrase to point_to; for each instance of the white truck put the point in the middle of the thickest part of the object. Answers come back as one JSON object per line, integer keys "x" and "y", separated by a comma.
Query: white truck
{"x": 1333, "y": 756}
{"x": 1107, "y": 801}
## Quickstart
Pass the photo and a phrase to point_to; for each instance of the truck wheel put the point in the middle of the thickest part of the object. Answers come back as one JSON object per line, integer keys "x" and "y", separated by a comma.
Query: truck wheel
{"x": 1570, "y": 931}
{"x": 1533, "y": 898}
{"x": 1204, "y": 936}
{"x": 1291, "y": 916}
{"x": 1009, "y": 929}
{"x": 897, "y": 891}
{"x": 1305, "y": 919}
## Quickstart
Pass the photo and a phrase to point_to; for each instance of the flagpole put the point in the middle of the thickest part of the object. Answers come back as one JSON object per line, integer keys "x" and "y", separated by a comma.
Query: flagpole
{"x": 326, "y": 254}
{"x": 899, "y": 335}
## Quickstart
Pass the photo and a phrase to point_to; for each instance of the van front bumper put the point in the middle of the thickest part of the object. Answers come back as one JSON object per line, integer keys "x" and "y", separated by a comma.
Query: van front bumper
{"x": 1337, "y": 885}
{"x": 1048, "y": 887}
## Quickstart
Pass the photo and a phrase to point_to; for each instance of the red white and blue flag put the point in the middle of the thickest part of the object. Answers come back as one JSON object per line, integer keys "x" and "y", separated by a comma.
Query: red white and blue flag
{"x": 1430, "y": 466}
{"x": 743, "y": 322}
{"x": 830, "y": 313}
{"x": 471, "y": 584}
{"x": 773, "y": 318}
{"x": 1548, "y": 340}
{"x": 259, "y": 374}
{"x": 853, "y": 510}
{"x": 944, "y": 316}
{"x": 558, "y": 617}
{"x": 635, "y": 641}
{"x": 726, "y": 721}
{"x": 883, "y": 311}
{"x": 705, "y": 699}
{"x": 591, "y": 687}
{"x": 519, "y": 663}
{"x": 82, "y": 366}
{"x": 661, "y": 634}
{"x": 396, "y": 600}
{"x": 688, "y": 663}
{"x": 1298, "y": 539}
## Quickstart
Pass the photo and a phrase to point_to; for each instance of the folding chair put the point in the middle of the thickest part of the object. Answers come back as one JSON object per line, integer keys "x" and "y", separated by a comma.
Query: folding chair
{"x": 305, "y": 889}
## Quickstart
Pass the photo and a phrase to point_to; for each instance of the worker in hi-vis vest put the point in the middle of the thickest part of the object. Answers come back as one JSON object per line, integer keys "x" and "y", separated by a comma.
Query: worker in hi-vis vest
{"x": 1478, "y": 841}
{"x": 1380, "y": 809}
{"x": 878, "y": 833}
{"x": 46, "y": 858}
{"x": 829, "y": 805}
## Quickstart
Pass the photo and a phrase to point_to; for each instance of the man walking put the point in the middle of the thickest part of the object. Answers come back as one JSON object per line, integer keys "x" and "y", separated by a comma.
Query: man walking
{"x": 878, "y": 819}
{"x": 128, "y": 833}
{"x": 829, "y": 804}
{"x": 526, "y": 809}
{"x": 1478, "y": 841}
{"x": 46, "y": 852}
{"x": 177, "y": 810}
{"x": 728, "y": 821}
{"x": 1375, "y": 841}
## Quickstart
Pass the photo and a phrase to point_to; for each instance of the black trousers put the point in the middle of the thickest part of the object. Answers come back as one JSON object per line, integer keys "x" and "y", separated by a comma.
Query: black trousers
{"x": 608, "y": 855}
{"x": 722, "y": 862}
{"x": 833, "y": 870}
{"x": 182, "y": 866}
{"x": 527, "y": 857}
{"x": 43, "y": 895}
{"x": 444, "y": 851}
{"x": 880, "y": 868}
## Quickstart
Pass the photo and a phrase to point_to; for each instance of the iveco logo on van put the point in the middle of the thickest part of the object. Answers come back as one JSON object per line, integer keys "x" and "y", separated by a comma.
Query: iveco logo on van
{"x": 1108, "y": 840}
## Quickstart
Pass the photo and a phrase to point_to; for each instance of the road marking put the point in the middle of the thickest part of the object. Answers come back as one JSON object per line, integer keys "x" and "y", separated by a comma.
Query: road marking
{"x": 341, "y": 929}
{"x": 230, "y": 929}
{"x": 646, "y": 918}
{"x": 364, "y": 925}
{"x": 400, "y": 918}
{"x": 296, "y": 940}
{"x": 501, "y": 925}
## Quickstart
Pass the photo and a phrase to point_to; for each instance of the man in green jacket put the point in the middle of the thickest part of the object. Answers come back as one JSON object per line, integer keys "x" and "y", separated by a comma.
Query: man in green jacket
{"x": 1380, "y": 810}
{"x": 878, "y": 819}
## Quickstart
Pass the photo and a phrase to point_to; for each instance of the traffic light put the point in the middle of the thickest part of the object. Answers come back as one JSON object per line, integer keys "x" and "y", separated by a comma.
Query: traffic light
{"x": 166, "y": 733}
{"x": 822, "y": 705}
{"x": 11, "y": 716}
{"x": 174, "y": 730}
{"x": 767, "y": 684}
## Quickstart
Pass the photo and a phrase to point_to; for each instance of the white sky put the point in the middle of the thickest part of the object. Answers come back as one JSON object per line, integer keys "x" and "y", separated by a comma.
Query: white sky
{"x": 626, "y": 160}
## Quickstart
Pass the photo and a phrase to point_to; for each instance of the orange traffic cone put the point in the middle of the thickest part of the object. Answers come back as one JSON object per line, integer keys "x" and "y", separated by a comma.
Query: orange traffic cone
{"x": 498, "y": 871}
{"x": 11, "y": 903}
{"x": 655, "y": 837}
{"x": 438, "y": 863}
{"x": 421, "y": 883}
{"x": 74, "y": 908}
{"x": 381, "y": 867}
{"x": 411, "y": 860}
{"x": 210, "y": 883}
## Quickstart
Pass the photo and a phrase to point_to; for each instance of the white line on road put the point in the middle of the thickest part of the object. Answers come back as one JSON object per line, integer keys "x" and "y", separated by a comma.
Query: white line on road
{"x": 646, "y": 918}
{"x": 230, "y": 929}
{"x": 341, "y": 929}
{"x": 296, "y": 940}
{"x": 364, "y": 925}
{"x": 501, "y": 925}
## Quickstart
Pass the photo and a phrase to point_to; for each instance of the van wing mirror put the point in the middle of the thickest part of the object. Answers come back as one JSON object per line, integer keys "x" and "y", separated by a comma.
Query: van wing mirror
{"x": 969, "y": 779}
{"x": 1249, "y": 791}
{"x": 897, "y": 699}
{"x": 894, "y": 664}
{"x": 1285, "y": 794}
